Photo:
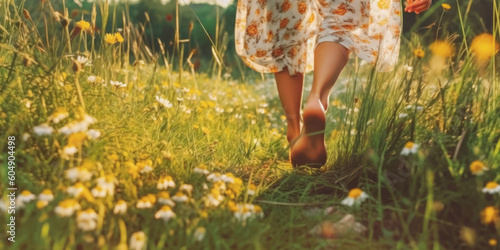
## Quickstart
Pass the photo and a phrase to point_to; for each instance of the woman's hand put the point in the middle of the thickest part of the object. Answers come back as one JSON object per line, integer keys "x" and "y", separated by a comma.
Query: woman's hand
{"x": 417, "y": 6}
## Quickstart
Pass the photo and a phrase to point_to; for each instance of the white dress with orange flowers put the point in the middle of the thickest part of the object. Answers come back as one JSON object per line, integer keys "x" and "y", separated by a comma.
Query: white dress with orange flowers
{"x": 272, "y": 34}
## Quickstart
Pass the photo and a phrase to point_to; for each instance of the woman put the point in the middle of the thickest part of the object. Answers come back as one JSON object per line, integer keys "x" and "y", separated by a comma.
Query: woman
{"x": 279, "y": 36}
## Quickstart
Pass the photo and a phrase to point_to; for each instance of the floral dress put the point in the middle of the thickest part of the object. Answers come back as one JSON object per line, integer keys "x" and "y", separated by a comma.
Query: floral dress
{"x": 272, "y": 34}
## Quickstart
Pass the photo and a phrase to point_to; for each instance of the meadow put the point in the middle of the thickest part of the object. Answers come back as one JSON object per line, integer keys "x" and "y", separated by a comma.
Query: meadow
{"x": 113, "y": 145}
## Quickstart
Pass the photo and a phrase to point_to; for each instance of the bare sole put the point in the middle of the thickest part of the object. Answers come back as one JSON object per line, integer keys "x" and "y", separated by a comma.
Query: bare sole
{"x": 310, "y": 148}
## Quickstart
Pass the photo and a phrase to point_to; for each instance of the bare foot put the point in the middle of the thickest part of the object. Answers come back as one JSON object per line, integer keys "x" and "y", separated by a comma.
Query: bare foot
{"x": 310, "y": 148}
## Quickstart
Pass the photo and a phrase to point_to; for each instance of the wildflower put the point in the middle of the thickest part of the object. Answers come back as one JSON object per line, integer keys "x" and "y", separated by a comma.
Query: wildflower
{"x": 95, "y": 79}
{"x": 247, "y": 211}
{"x": 220, "y": 185}
{"x": 202, "y": 169}
{"x": 165, "y": 182}
{"x": 409, "y": 148}
{"x": 41, "y": 204}
{"x": 107, "y": 183}
{"x": 165, "y": 213}
{"x": 164, "y": 102}
{"x": 489, "y": 215}
{"x": 205, "y": 130}
{"x": 82, "y": 60}
{"x": 78, "y": 126}
{"x": 84, "y": 25}
{"x": 77, "y": 189}
{"x": 408, "y": 68}
{"x": 93, "y": 134}
{"x": 145, "y": 202}
{"x": 228, "y": 178}
{"x": 87, "y": 220}
{"x": 214, "y": 198}
{"x": 477, "y": 168}
{"x": 419, "y": 53}
{"x": 493, "y": 242}
{"x": 355, "y": 197}
{"x": 484, "y": 46}
{"x": 110, "y": 38}
{"x": 199, "y": 233}
{"x": 70, "y": 150}
{"x": 46, "y": 195}
{"x": 119, "y": 37}
{"x": 26, "y": 136}
{"x": 118, "y": 84}
{"x": 99, "y": 191}
{"x": 164, "y": 198}
{"x": 79, "y": 173}
{"x": 180, "y": 197}
{"x": 43, "y": 129}
{"x": 186, "y": 188}
{"x": 445, "y": 6}
{"x": 251, "y": 189}
{"x": 120, "y": 207}
{"x": 59, "y": 115}
{"x": 442, "y": 49}
{"x": 25, "y": 197}
{"x": 67, "y": 207}
{"x": 137, "y": 241}
{"x": 77, "y": 139}
{"x": 145, "y": 166}
{"x": 491, "y": 187}
{"x": 214, "y": 177}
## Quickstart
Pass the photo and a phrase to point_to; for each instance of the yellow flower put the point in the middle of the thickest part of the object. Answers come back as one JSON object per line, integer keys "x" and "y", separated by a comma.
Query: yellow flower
{"x": 419, "y": 53}
{"x": 484, "y": 46}
{"x": 41, "y": 204}
{"x": 83, "y": 25}
{"x": 491, "y": 188}
{"x": 446, "y": 6}
{"x": 442, "y": 48}
{"x": 119, "y": 37}
{"x": 489, "y": 215}
{"x": 477, "y": 167}
{"x": 493, "y": 242}
{"x": 355, "y": 196}
{"x": 76, "y": 139}
{"x": 110, "y": 38}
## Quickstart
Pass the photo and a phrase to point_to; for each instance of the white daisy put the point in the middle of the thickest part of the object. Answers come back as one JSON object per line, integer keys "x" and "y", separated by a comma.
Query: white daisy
{"x": 25, "y": 197}
{"x": 67, "y": 207}
{"x": 165, "y": 213}
{"x": 120, "y": 207}
{"x": 137, "y": 241}
{"x": 164, "y": 102}
{"x": 43, "y": 129}
{"x": 165, "y": 182}
{"x": 491, "y": 188}
{"x": 355, "y": 196}
{"x": 199, "y": 233}
{"x": 409, "y": 148}
{"x": 87, "y": 220}
{"x": 180, "y": 197}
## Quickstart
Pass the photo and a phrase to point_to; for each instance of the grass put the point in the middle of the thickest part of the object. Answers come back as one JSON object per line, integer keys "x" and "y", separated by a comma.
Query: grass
{"x": 447, "y": 104}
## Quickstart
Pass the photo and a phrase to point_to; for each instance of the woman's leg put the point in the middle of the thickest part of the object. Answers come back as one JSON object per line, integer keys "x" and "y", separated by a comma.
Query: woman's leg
{"x": 290, "y": 92}
{"x": 329, "y": 61}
